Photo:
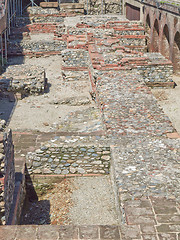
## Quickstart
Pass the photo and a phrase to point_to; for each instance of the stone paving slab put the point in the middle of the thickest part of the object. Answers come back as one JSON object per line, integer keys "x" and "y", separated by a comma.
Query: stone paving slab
{"x": 123, "y": 232}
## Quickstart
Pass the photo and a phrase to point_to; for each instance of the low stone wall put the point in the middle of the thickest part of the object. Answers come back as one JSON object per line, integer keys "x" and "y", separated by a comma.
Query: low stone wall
{"x": 60, "y": 30}
{"x": 7, "y": 175}
{"x": 100, "y": 21}
{"x": 97, "y": 33}
{"x": 47, "y": 19}
{"x": 71, "y": 155}
{"x": 75, "y": 76}
{"x": 69, "y": 160}
{"x": 159, "y": 69}
{"x": 157, "y": 73}
{"x": 132, "y": 41}
{"x": 30, "y": 47}
{"x": 95, "y": 6}
{"x": 39, "y": 18}
{"x": 39, "y": 10}
{"x": 21, "y": 32}
{"x": 130, "y": 32}
{"x": 24, "y": 79}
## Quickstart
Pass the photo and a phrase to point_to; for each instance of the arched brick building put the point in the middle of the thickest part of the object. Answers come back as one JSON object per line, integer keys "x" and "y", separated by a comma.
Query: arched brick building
{"x": 163, "y": 27}
{"x": 164, "y": 34}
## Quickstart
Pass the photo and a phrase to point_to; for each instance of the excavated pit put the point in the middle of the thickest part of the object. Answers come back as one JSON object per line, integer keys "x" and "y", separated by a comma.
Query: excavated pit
{"x": 70, "y": 201}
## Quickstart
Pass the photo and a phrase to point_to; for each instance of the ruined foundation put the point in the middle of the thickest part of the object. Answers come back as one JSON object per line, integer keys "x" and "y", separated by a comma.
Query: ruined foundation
{"x": 105, "y": 125}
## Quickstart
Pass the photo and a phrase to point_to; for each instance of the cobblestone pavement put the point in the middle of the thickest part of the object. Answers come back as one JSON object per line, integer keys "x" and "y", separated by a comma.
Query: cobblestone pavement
{"x": 146, "y": 166}
{"x": 129, "y": 107}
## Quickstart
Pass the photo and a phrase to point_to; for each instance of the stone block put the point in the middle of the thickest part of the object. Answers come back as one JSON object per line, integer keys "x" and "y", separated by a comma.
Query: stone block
{"x": 130, "y": 232}
{"x": 167, "y": 236}
{"x": 149, "y": 220}
{"x": 168, "y": 228}
{"x": 49, "y": 4}
{"x": 7, "y": 232}
{"x": 171, "y": 219}
{"x": 68, "y": 232}
{"x": 149, "y": 237}
{"x": 88, "y": 232}
{"x": 147, "y": 229}
{"x": 48, "y": 233}
{"x": 109, "y": 232}
{"x": 28, "y": 232}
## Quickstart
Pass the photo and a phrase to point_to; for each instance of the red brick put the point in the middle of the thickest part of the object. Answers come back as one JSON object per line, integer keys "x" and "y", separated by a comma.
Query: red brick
{"x": 173, "y": 135}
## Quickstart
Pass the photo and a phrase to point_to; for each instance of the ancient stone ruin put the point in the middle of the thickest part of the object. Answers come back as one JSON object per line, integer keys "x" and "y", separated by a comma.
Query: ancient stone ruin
{"x": 86, "y": 150}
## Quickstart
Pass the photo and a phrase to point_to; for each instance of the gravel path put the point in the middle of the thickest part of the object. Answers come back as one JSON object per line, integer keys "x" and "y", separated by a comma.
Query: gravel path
{"x": 94, "y": 202}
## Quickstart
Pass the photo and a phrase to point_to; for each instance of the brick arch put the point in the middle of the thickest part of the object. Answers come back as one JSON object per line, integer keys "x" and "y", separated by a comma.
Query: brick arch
{"x": 169, "y": 28}
{"x": 165, "y": 43}
{"x": 155, "y": 38}
{"x": 148, "y": 21}
{"x": 176, "y": 53}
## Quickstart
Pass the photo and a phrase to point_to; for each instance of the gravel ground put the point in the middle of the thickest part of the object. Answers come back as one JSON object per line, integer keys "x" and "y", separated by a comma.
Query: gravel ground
{"x": 52, "y": 206}
{"x": 44, "y": 112}
{"x": 93, "y": 198}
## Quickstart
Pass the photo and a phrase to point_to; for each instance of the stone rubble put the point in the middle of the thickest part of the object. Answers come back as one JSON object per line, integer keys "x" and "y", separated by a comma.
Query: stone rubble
{"x": 30, "y": 47}
{"x": 40, "y": 10}
{"x": 74, "y": 58}
{"x": 75, "y": 75}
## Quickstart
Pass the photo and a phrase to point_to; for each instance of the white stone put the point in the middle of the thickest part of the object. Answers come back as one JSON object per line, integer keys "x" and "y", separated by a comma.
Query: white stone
{"x": 72, "y": 170}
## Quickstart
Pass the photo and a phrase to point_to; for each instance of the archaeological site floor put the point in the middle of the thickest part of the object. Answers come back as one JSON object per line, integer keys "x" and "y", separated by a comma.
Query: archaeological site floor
{"x": 100, "y": 152}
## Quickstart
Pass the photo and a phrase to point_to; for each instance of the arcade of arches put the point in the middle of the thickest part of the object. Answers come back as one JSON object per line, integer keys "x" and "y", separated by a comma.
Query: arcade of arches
{"x": 164, "y": 36}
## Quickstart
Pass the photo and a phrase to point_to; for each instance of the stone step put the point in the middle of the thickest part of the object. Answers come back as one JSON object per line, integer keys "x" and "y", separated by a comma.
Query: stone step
{"x": 49, "y": 4}
{"x": 72, "y": 6}
{"x": 75, "y": 11}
